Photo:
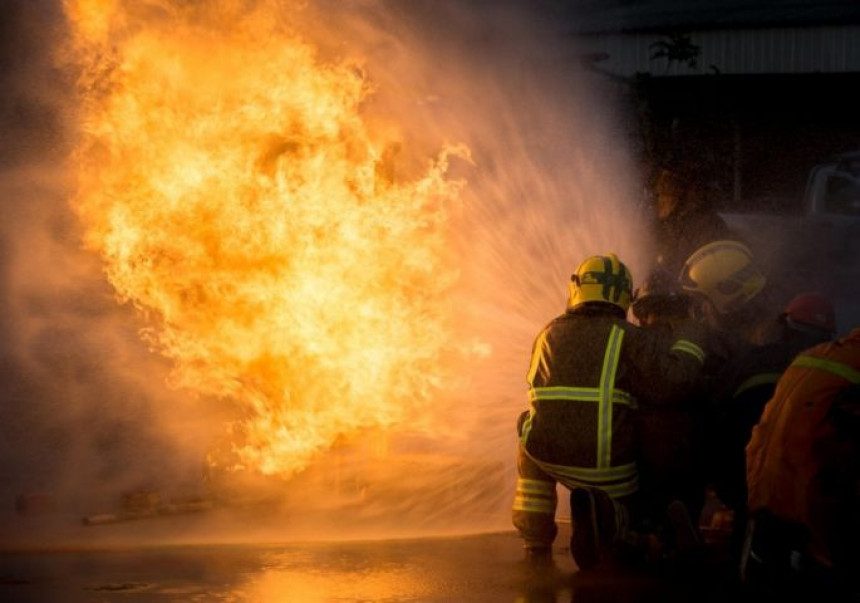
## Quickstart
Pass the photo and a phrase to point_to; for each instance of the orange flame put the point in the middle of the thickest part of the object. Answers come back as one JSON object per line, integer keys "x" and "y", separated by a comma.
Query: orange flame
{"x": 241, "y": 203}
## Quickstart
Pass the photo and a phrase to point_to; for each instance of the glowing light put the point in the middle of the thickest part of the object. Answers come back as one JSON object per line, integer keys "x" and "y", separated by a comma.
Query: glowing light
{"x": 238, "y": 199}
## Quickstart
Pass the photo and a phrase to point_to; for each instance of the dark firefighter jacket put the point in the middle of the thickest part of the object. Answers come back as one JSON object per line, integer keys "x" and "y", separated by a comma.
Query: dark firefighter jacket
{"x": 802, "y": 457}
{"x": 589, "y": 368}
{"x": 746, "y": 390}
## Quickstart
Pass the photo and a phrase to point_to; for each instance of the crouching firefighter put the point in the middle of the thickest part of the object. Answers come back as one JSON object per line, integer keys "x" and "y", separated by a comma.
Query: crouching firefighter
{"x": 589, "y": 367}
{"x": 803, "y": 479}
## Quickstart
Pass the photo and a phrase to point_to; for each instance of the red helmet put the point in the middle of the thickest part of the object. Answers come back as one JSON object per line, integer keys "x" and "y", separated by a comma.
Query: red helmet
{"x": 811, "y": 309}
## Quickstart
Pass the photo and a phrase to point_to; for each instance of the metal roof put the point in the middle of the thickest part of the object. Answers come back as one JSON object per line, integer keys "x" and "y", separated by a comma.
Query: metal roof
{"x": 773, "y": 50}
{"x": 617, "y": 16}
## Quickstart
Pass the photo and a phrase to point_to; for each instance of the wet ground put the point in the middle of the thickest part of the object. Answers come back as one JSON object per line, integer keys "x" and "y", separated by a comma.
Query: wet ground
{"x": 140, "y": 562}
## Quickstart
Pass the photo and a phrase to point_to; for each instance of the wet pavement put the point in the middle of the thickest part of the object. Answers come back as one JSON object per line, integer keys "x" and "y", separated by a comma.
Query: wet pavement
{"x": 478, "y": 567}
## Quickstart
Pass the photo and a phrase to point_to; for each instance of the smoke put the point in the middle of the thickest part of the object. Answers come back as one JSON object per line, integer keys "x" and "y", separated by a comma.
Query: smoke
{"x": 81, "y": 393}
{"x": 552, "y": 182}
{"x": 88, "y": 411}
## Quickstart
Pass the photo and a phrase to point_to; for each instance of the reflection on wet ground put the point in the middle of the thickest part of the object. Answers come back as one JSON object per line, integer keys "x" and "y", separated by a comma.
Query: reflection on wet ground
{"x": 486, "y": 567}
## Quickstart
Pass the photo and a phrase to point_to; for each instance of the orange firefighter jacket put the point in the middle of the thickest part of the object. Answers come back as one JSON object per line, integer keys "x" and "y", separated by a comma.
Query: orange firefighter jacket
{"x": 795, "y": 448}
{"x": 589, "y": 368}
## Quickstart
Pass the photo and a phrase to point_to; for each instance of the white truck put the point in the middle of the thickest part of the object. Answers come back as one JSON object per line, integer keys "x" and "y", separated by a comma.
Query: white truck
{"x": 816, "y": 247}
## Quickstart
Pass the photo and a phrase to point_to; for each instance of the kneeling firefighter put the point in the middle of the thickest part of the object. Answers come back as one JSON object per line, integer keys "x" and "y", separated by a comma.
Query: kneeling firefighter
{"x": 671, "y": 458}
{"x": 803, "y": 478}
{"x": 588, "y": 369}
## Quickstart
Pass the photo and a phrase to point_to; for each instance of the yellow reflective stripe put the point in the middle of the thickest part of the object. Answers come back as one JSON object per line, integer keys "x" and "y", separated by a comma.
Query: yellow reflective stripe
{"x": 755, "y": 381}
{"x": 617, "y": 482}
{"x": 837, "y": 368}
{"x": 688, "y": 347}
{"x": 621, "y": 489}
{"x": 622, "y": 397}
{"x": 590, "y": 475}
{"x": 535, "y": 496}
{"x": 607, "y": 384}
{"x": 614, "y": 489}
{"x": 579, "y": 394}
{"x": 534, "y": 506}
{"x": 535, "y": 486}
{"x": 527, "y": 427}
{"x": 537, "y": 357}
{"x": 564, "y": 393}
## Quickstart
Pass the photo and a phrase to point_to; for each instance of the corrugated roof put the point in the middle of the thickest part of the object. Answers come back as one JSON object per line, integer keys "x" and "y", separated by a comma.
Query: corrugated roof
{"x": 608, "y": 16}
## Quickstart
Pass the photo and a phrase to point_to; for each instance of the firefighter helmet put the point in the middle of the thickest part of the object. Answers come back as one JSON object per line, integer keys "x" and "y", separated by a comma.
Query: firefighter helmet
{"x": 810, "y": 310}
{"x": 725, "y": 273}
{"x": 660, "y": 294}
{"x": 602, "y": 279}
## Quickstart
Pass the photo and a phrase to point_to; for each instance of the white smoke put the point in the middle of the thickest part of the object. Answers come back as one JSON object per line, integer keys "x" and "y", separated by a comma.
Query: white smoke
{"x": 87, "y": 409}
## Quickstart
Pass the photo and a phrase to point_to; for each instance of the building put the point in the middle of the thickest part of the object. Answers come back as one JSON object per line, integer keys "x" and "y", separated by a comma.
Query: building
{"x": 754, "y": 92}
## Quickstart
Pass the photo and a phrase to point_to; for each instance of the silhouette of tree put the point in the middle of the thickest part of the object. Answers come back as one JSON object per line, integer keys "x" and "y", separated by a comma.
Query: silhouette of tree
{"x": 676, "y": 48}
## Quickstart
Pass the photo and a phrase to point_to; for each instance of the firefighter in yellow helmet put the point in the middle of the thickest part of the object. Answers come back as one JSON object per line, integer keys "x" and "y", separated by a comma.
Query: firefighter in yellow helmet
{"x": 684, "y": 219}
{"x": 589, "y": 368}
{"x": 730, "y": 297}
{"x": 724, "y": 278}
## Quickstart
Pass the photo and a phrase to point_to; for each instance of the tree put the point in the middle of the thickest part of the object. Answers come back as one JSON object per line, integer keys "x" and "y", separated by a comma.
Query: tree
{"x": 676, "y": 48}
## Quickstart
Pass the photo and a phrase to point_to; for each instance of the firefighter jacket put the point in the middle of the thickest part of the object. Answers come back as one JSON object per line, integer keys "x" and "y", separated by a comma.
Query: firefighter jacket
{"x": 588, "y": 370}
{"x": 746, "y": 388}
{"x": 801, "y": 462}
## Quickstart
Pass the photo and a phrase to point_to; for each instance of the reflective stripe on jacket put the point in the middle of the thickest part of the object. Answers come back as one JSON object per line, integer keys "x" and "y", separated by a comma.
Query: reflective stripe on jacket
{"x": 788, "y": 449}
{"x": 586, "y": 371}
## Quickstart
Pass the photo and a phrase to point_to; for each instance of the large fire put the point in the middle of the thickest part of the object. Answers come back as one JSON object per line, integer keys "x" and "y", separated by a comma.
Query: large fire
{"x": 243, "y": 204}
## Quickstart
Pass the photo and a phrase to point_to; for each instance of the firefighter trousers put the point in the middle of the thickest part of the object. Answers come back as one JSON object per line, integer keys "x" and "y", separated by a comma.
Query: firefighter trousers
{"x": 536, "y": 500}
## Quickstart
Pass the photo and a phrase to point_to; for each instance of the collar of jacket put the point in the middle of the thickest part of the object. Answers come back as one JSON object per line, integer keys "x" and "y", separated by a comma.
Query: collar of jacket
{"x": 597, "y": 309}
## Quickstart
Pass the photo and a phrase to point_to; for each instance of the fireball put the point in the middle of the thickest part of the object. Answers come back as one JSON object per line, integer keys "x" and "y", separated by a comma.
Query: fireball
{"x": 243, "y": 204}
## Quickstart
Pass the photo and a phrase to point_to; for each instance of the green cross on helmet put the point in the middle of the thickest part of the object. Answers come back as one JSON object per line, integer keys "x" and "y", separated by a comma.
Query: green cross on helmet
{"x": 601, "y": 279}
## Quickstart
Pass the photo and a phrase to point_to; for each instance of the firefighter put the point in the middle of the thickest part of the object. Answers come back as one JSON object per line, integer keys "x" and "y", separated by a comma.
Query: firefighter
{"x": 729, "y": 291}
{"x": 670, "y": 462}
{"x": 807, "y": 320}
{"x": 729, "y": 296}
{"x": 588, "y": 369}
{"x": 803, "y": 477}
{"x": 660, "y": 302}
{"x": 683, "y": 221}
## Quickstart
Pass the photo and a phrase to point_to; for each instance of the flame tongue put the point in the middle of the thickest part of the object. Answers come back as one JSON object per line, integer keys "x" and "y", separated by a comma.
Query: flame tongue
{"x": 232, "y": 187}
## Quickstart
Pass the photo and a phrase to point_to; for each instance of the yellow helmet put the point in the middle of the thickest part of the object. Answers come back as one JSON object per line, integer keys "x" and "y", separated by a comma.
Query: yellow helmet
{"x": 724, "y": 272}
{"x": 601, "y": 278}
